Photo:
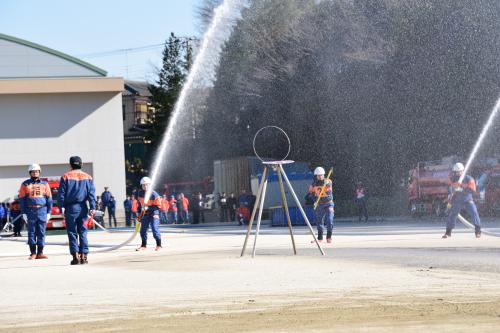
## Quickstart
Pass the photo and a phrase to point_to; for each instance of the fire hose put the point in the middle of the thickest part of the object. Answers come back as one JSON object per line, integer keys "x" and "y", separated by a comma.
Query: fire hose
{"x": 471, "y": 226}
{"x": 10, "y": 224}
{"x": 106, "y": 249}
{"x": 126, "y": 242}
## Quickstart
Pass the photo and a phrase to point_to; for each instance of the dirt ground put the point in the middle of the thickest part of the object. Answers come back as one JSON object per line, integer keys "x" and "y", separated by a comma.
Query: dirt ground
{"x": 375, "y": 278}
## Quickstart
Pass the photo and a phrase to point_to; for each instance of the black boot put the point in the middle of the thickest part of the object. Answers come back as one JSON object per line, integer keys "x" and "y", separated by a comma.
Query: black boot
{"x": 447, "y": 234}
{"x": 143, "y": 246}
{"x": 83, "y": 258}
{"x": 76, "y": 259}
{"x": 478, "y": 232}
{"x": 39, "y": 253}
{"x": 320, "y": 236}
{"x": 33, "y": 252}
{"x": 158, "y": 245}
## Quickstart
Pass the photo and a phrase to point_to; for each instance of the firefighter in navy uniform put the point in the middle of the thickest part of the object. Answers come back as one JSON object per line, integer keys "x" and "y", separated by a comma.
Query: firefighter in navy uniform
{"x": 151, "y": 214}
{"x": 76, "y": 189}
{"x": 15, "y": 211}
{"x": 324, "y": 213}
{"x": 460, "y": 197}
{"x": 35, "y": 199}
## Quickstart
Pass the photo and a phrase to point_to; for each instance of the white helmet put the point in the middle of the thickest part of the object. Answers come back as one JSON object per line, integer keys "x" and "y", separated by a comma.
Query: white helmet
{"x": 34, "y": 167}
{"x": 458, "y": 167}
{"x": 145, "y": 180}
{"x": 319, "y": 171}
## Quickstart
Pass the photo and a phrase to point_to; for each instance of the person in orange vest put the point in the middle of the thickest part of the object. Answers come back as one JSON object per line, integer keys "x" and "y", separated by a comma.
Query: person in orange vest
{"x": 184, "y": 213}
{"x": 243, "y": 214}
{"x": 324, "y": 213}
{"x": 35, "y": 199}
{"x": 151, "y": 217}
{"x": 172, "y": 209}
{"x": 164, "y": 209}
{"x": 134, "y": 209}
{"x": 460, "y": 196}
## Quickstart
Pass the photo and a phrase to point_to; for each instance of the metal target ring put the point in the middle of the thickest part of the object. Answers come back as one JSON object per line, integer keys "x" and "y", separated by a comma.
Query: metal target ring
{"x": 279, "y": 129}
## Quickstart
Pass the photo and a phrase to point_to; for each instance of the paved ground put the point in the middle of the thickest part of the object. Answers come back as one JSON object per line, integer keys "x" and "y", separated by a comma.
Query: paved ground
{"x": 396, "y": 275}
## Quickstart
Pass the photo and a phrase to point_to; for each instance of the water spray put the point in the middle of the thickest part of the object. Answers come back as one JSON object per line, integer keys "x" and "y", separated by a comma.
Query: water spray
{"x": 204, "y": 62}
{"x": 480, "y": 140}
{"x": 472, "y": 156}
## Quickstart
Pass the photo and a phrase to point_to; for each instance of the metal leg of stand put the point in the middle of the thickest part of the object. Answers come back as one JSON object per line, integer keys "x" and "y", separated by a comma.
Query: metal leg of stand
{"x": 257, "y": 201}
{"x": 261, "y": 208}
{"x": 285, "y": 206}
{"x": 297, "y": 201}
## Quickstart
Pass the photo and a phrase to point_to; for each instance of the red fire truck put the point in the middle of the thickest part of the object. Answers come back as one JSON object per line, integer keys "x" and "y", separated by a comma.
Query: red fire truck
{"x": 428, "y": 186}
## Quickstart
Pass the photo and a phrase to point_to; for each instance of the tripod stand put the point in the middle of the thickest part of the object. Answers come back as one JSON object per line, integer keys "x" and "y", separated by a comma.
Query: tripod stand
{"x": 277, "y": 166}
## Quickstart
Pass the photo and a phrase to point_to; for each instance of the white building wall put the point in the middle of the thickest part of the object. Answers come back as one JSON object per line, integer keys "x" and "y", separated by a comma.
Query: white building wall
{"x": 49, "y": 128}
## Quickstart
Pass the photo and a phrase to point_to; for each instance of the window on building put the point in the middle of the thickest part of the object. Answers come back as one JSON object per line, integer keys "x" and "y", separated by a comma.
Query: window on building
{"x": 124, "y": 115}
{"x": 141, "y": 113}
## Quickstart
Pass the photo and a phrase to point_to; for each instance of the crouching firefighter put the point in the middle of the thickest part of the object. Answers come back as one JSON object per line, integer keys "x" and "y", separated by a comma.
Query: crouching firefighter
{"x": 35, "y": 200}
{"x": 150, "y": 214}
{"x": 321, "y": 189}
{"x": 460, "y": 197}
{"x": 76, "y": 189}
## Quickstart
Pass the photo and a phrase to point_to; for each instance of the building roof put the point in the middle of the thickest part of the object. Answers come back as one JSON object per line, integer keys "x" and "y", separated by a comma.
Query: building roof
{"x": 137, "y": 88}
{"x": 41, "y": 61}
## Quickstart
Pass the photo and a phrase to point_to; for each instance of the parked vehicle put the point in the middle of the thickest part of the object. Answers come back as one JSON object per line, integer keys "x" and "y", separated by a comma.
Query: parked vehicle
{"x": 428, "y": 186}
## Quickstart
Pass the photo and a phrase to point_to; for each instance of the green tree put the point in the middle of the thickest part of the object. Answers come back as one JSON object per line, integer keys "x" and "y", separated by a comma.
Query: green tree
{"x": 166, "y": 88}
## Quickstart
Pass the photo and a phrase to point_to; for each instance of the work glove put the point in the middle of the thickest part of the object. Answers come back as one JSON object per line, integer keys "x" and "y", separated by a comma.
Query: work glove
{"x": 25, "y": 217}
{"x": 458, "y": 189}
{"x": 48, "y": 217}
{"x": 91, "y": 212}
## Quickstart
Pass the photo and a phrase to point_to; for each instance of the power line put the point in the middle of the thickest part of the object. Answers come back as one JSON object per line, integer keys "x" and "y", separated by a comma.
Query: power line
{"x": 120, "y": 51}
{"x": 133, "y": 49}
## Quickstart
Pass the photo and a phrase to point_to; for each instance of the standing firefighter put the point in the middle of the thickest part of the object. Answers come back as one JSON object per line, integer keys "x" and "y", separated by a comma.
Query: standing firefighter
{"x": 460, "y": 196}
{"x": 360, "y": 199}
{"x": 76, "y": 188}
{"x": 151, "y": 216}
{"x": 322, "y": 188}
{"x": 35, "y": 200}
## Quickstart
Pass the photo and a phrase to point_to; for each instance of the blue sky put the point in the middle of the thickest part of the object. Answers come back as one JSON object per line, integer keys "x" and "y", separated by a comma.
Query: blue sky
{"x": 80, "y": 28}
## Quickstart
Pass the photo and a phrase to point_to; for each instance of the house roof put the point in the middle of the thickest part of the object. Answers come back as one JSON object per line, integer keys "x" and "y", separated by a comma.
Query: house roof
{"x": 137, "y": 88}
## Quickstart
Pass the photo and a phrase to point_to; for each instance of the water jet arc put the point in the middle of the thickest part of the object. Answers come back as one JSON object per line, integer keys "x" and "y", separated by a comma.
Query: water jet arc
{"x": 472, "y": 156}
